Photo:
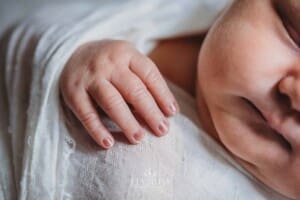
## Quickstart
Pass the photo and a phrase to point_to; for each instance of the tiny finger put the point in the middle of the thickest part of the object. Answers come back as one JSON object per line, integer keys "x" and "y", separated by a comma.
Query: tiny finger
{"x": 111, "y": 101}
{"x": 135, "y": 92}
{"x": 81, "y": 105}
{"x": 144, "y": 68}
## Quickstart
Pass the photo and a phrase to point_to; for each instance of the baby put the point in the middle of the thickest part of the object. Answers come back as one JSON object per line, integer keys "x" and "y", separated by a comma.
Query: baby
{"x": 246, "y": 87}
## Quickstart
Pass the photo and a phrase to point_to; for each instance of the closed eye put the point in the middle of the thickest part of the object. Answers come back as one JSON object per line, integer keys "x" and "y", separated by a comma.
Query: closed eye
{"x": 293, "y": 34}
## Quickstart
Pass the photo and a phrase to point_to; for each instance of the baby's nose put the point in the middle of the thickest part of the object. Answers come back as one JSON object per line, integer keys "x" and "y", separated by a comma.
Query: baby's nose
{"x": 290, "y": 86}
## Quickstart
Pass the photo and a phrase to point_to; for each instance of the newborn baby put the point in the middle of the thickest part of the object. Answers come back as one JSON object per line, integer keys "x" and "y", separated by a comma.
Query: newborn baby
{"x": 246, "y": 88}
{"x": 251, "y": 89}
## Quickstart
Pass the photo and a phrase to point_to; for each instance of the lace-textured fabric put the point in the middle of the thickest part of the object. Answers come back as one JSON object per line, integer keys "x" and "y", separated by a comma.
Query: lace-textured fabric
{"x": 48, "y": 155}
{"x": 185, "y": 164}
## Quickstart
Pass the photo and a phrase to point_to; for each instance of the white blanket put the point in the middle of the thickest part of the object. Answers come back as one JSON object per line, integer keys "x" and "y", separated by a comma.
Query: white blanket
{"x": 46, "y": 154}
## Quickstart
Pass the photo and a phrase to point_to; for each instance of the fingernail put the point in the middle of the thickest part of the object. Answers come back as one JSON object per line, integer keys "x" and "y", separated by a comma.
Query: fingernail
{"x": 107, "y": 142}
{"x": 138, "y": 136}
{"x": 173, "y": 108}
{"x": 164, "y": 127}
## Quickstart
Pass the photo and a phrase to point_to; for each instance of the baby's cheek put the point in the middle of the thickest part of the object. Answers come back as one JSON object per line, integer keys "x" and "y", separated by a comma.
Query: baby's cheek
{"x": 245, "y": 133}
{"x": 230, "y": 134}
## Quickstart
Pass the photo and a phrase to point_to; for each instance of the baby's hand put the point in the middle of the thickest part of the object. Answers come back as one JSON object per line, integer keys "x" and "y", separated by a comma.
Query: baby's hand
{"x": 110, "y": 74}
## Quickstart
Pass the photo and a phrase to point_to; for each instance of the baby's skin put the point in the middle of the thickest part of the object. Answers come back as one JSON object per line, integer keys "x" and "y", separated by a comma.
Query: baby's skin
{"x": 247, "y": 89}
{"x": 114, "y": 76}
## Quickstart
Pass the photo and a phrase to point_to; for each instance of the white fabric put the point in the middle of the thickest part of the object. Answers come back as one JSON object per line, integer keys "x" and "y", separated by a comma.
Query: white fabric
{"x": 52, "y": 156}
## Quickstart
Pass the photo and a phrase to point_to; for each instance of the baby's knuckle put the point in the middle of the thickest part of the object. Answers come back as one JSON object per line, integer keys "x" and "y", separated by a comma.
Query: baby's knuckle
{"x": 152, "y": 76}
{"x": 117, "y": 60}
{"x": 88, "y": 118}
{"x": 138, "y": 93}
{"x": 71, "y": 85}
{"x": 93, "y": 66}
{"x": 112, "y": 103}
{"x": 117, "y": 55}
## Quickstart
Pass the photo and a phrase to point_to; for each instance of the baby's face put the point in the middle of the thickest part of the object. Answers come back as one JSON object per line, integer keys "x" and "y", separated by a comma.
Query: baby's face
{"x": 249, "y": 88}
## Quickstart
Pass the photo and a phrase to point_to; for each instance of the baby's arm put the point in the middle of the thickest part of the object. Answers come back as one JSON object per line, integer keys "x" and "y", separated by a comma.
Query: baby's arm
{"x": 110, "y": 74}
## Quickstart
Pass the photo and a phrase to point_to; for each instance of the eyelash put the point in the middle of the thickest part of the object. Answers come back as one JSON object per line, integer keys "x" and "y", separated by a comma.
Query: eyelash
{"x": 294, "y": 35}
